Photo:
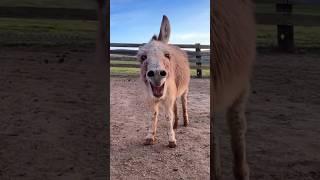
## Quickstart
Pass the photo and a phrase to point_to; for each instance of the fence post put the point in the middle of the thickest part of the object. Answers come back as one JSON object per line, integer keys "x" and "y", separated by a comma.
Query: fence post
{"x": 198, "y": 60}
{"x": 285, "y": 29}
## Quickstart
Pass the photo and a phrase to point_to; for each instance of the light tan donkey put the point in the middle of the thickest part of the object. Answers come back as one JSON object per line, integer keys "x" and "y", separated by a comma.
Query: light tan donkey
{"x": 234, "y": 46}
{"x": 166, "y": 75}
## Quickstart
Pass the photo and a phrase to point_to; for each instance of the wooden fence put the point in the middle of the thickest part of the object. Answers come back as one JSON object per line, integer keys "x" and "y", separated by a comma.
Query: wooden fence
{"x": 198, "y": 65}
{"x": 282, "y": 16}
{"x": 48, "y": 13}
{"x": 285, "y": 21}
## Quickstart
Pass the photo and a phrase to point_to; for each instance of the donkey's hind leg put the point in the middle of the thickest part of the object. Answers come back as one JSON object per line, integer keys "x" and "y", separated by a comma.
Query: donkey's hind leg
{"x": 176, "y": 118}
{"x": 184, "y": 101}
{"x": 238, "y": 127}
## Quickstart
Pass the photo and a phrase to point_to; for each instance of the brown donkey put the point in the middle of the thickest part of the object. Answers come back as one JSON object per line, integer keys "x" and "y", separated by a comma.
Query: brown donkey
{"x": 166, "y": 75}
{"x": 233, "y": 40}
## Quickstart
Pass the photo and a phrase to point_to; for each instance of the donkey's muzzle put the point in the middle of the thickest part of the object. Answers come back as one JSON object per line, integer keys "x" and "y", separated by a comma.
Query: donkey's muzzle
{"x": 157, "y": 76}
{"x": 157, "y": 81}
{"x": 161, "y": 73}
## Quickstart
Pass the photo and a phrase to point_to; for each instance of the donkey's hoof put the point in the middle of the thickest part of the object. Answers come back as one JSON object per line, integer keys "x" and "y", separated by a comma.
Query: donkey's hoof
{"x": 175, "y": 126}
{"x": 172, "y": 144}
{"x": 149, "y": 141}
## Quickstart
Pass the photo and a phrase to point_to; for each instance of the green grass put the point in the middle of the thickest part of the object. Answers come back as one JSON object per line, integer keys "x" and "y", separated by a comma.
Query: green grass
{"x": 266, "y": 36}
{"x": 124, "y": 71}
{"x": 16, "y": 31}
{"x": 80, "y": 4}
{"x": 47, "y": 25}
{"x": 136, "y": 71}
{"x": 305, "y": 37}
{"x": 205, "y": 72}
{"x": 123, "y": 62}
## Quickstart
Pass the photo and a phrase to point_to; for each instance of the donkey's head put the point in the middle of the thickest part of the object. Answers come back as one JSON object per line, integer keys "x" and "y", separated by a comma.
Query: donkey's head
{"x": 155, "y": 61}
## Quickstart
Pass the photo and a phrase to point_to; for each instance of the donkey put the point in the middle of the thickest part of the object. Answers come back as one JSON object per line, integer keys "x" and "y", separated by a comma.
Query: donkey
{"x": 234, "y": 47}
{"x": 166, "y": 75}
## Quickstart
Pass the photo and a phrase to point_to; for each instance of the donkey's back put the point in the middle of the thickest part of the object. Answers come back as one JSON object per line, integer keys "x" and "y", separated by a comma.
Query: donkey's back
{"x": 181, "y": 69}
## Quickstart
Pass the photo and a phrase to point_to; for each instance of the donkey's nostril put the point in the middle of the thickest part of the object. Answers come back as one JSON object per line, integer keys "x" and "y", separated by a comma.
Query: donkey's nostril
{"x": 163, "y": 73}
{"x": 150, "y": 74}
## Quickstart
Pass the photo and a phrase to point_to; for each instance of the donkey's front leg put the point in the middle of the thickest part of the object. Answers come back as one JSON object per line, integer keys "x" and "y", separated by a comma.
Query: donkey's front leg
{"x": 169, "y": 118}
{"x": 238, "y": 127}
{"x": 176, "y": 118}
{"x": 150, "y": 138}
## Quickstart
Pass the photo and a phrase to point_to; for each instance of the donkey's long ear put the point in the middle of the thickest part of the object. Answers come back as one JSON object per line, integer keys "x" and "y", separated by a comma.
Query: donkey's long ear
{"x": 154, "y": 37}
{"x": 164, "y": 34}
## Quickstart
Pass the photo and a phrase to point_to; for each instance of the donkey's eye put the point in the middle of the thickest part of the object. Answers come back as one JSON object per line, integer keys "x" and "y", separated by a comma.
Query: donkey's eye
{"x": 143, "y": 57}
{"x": 167, "y": 55}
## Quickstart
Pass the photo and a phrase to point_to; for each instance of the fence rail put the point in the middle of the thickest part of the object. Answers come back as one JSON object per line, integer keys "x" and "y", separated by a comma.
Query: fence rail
{"x": 48, "y": 13}
{"x": 198, "y": 64}
{"x": 296, "y": 19}
{"x": 91, "y": 14}
{"x": 191, "y": 46}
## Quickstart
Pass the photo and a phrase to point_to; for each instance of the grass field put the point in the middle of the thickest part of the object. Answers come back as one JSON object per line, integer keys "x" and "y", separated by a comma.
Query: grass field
{"x": 79, "y": 4}
{"x": 135, "y": 71}
{"x": 27, "y": 32}
{"x": 305, "y": 37}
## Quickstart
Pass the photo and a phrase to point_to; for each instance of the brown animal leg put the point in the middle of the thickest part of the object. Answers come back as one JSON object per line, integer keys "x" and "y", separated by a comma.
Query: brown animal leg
{"x": 150, "y": 139}
{"x": 169, "y": 118}
{"x": 237, "y": 124}
{"x": 216, "y": 163}
{"x": 176, "y": 118}
{"x": 184, "y": 100}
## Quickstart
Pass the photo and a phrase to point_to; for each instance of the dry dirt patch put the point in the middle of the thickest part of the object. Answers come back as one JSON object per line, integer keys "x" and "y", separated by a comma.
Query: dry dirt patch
{"x": 130, "y": 159}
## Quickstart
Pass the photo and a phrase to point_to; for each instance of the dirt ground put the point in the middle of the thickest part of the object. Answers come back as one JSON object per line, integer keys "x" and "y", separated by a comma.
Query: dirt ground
{"x": 52, "y": 122}
{"x": 52, "y": 115}
{"x": 283, "y": 138}
{"x": 130, "y": 159}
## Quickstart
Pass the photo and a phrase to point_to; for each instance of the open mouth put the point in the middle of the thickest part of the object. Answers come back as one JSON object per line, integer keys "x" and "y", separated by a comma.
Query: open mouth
{"x": 157, "y": 90}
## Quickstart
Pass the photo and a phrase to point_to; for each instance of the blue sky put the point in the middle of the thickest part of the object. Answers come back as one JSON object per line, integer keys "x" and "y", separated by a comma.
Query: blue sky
{"x": 135, "y": 21}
